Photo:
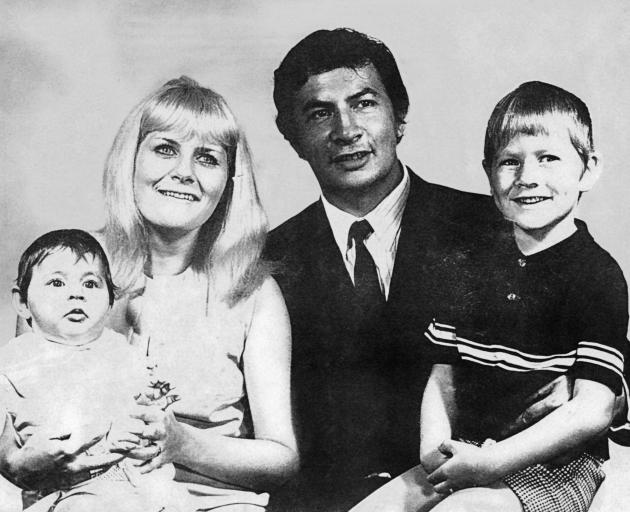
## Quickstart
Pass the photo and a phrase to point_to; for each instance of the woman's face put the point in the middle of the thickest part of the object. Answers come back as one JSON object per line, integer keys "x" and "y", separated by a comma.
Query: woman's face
{"x": 179, "y": 180}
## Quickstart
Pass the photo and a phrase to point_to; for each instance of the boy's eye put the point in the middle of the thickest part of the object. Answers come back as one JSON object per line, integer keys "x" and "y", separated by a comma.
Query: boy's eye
{"x": 207, "y": 159}
{"x": 57, "y": 283}
{"x": 91, "y": 283}
{"x": 549, "y": 158}
{"x": 165, "y": 149}
{"x": 508, "y": 162}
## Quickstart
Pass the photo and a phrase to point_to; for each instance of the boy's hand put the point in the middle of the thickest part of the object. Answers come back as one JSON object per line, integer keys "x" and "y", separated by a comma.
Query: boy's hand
{"x": 467, "y": 466}
{"x": 432, "y": 460}
{"x": 547, "y": 399}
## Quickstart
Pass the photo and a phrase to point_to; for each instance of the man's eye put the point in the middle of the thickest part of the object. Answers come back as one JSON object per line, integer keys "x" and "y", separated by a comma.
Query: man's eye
{"x": 57, "y": 283}
{"x": 207, "y": 159}
{"x": 91, "y": 283}
{"x": 366, "y": 103}
{"x": 165, "y": 149}
{"x": 320, "y": 113}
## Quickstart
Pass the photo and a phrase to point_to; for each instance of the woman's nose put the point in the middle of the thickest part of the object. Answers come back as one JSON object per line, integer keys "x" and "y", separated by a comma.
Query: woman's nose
{"x": 183, "y": 171}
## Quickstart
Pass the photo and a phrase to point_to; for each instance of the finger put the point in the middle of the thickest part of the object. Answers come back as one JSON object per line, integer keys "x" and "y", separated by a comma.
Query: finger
{"x": 122, "y": 446}
{"x": 437, "y": 476}
{"x": 447, "y": 447}
{"x": 78, "y": 444}
{"x": 144, "y": 454}
{"x": 443, "y": 488}
{"x": 151, "y": 465}
{"x": 86, "y": 462}
{"x": 154, "y": 432}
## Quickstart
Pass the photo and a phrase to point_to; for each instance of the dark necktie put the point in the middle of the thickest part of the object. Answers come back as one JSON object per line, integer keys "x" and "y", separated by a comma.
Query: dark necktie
{"x": 366, "y": 281}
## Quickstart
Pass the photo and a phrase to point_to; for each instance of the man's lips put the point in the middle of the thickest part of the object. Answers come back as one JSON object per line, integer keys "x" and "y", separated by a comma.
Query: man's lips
{"x": 179, "y": 195}
{"x": 350, "y": 157}
{"x": 527, "y": 200}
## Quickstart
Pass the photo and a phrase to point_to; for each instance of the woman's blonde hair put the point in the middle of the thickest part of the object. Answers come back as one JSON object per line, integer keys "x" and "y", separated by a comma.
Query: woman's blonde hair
{"x": 231, "y": 241}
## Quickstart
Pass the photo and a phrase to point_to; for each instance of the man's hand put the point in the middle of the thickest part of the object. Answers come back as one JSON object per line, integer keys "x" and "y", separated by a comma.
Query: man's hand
{"x": 542, "y": 402}
{"x": 467, "y": 466}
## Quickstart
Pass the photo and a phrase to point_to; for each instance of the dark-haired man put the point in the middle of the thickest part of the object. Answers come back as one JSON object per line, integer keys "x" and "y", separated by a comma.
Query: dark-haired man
{"x": 358, "y": 268}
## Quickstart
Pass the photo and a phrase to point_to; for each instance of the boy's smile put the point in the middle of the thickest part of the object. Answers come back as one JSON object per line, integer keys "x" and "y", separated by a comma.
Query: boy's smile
{"x": 536, "y": 180}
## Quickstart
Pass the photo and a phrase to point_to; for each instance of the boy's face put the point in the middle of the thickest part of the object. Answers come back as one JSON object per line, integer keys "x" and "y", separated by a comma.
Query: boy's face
{"x": 67, "y": 299}
{"x": 536, "y": 179}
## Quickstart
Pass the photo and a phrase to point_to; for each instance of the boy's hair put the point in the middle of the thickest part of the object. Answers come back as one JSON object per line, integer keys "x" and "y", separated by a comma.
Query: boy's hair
{"x": 523, "y": 111}
{"x": 230, "y": 242}
{"x": 326, "y": 50}
{"x": 78, "y": 241}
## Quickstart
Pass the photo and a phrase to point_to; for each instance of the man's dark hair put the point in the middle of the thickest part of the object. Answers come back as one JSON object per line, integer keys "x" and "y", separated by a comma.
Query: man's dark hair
{"x": 326, "y": 50}
{"x": 79, "y": 242}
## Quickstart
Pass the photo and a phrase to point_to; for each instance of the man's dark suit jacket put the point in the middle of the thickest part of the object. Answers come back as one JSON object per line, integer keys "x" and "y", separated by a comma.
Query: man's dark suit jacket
{"x": 357, "y": 380}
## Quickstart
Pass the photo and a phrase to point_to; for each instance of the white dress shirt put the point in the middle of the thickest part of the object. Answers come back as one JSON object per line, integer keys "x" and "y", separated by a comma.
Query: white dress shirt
{"x": 385, "y": 220}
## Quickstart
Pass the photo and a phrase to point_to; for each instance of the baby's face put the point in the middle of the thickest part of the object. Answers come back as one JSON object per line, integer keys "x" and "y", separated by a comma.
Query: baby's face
{"x": 536, "y": 179}
{"x": 68, "y": 298}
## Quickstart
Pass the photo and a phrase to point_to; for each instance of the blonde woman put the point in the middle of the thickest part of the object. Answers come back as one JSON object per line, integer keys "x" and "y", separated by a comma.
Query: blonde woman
{"x": 184, "y": 233}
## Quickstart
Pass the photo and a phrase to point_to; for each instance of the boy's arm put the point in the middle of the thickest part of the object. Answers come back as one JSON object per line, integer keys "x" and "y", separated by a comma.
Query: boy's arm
{"x": 437, "y": 412}
{"x": 587, "y": 415}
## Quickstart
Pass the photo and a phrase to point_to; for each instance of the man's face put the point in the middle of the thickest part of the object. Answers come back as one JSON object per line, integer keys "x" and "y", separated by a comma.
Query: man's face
{"x": 346, "y": 130}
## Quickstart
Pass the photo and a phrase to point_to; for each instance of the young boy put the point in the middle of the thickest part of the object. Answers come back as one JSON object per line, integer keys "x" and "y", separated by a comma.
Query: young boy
{"x": 535, "y": 300}
{"x": 71, "y": 379}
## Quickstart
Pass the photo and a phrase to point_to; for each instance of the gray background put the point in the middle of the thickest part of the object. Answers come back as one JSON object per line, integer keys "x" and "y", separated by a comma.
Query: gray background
{"x": 71, "y": 70}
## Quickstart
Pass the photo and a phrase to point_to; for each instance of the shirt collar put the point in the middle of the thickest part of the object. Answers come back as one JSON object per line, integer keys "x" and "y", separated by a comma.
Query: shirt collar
{"x": 384, "y": 218}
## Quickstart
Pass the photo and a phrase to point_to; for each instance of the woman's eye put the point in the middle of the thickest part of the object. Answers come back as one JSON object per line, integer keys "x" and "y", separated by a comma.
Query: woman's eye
{"x": 91, "y": 283}
{"x": 57, "y": 283}
{"x": 207, "y": 159}
{"x": 165, "y": 149}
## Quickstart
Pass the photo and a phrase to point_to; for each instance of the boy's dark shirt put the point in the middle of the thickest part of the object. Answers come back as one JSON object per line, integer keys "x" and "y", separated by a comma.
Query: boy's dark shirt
{"x": 548, "y": 303}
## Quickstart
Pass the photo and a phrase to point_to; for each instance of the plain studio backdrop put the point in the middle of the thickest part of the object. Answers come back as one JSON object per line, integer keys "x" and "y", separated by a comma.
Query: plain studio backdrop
{"x": 72, "y": 70}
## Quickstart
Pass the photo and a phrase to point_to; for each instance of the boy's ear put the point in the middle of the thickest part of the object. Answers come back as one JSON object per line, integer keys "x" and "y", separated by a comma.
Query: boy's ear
{"x": 486, "y": 167}
{"x": 20, "y": 304}
{"x": 592, "y": 172}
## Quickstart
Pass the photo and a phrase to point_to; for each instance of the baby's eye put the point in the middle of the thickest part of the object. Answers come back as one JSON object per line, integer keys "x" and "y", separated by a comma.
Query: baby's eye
{"x": 57, "y": 283}
{"x": 91, "y": 283}
{"x": 165, "y": 149}
{"x": 207, "y": 159}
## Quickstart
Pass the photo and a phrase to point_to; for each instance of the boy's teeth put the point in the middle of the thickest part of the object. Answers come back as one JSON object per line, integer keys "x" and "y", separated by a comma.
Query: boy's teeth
{"x": 530, "y": 200}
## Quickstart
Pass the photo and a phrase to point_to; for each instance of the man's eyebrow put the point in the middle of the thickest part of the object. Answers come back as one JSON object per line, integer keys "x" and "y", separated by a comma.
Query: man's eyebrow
{"x": 363, "y": 92}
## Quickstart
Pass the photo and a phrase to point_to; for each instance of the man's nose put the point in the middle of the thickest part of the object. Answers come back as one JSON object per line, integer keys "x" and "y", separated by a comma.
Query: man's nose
{"x": 346, "y": 129}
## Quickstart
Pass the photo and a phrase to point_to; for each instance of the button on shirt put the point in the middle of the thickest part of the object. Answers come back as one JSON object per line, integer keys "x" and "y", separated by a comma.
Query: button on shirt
{"x": 385, "y": 220}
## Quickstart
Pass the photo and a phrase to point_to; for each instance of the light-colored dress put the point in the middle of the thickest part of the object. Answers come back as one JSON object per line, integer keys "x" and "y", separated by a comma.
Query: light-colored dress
{"x": 200, "y": 353}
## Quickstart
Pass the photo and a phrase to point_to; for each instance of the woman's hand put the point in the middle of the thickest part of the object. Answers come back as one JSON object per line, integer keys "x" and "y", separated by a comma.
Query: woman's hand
{"x": 432, "y": 460}
{"x": 163, "y": 437}
{"x": 467, "y": 466}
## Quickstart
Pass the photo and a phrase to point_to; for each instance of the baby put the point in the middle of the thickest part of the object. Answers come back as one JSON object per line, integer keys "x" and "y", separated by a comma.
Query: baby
{"x": 75, "y": 381}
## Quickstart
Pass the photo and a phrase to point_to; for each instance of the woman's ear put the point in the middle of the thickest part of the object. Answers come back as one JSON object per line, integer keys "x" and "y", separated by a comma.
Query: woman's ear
{"x": 20, "y": 305}
{"x": 592, "y": 172}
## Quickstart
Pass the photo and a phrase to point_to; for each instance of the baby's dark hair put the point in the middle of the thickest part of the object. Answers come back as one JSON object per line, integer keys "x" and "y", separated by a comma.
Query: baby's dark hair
{"x": 79, "y": 242}
{"x": 523, "y": 111}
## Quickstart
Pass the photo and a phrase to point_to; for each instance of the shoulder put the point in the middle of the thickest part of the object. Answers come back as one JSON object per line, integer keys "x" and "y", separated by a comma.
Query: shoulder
{"x": 20, "y": 350}
{"x": 597, "y": 266}
{"x": 292, "y": 230}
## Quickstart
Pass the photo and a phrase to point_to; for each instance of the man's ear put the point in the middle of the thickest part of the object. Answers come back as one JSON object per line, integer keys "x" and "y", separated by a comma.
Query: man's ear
{"x": 400, "y": 131}
{"x": 20, "y": 304}
{"x": 592, "y": 171}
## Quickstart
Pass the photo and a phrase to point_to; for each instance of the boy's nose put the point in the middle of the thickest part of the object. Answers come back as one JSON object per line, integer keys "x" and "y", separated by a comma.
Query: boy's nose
{"x": 528, "y": 175}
